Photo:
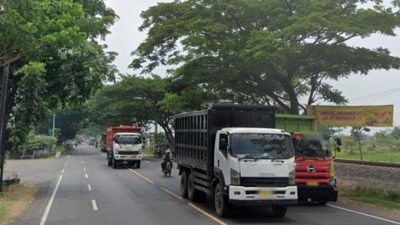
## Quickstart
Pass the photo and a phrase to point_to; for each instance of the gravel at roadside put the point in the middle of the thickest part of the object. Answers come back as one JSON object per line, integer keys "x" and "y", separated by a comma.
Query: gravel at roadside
{"x": 371, "y": 176}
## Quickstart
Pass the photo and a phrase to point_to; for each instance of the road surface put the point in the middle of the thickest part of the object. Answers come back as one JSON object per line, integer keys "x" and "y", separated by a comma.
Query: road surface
{"x": 87, "y": 191}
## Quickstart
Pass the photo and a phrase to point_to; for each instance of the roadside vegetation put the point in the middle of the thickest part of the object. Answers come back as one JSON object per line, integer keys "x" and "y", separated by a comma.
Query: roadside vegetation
{"x": 14, "y": 200}
{"x": 384, "y": 198}
{"x": 383, "y": 146}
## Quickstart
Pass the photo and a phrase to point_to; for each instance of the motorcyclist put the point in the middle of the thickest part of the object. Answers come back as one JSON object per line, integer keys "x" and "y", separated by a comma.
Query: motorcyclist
{"x": 167, "y": 157}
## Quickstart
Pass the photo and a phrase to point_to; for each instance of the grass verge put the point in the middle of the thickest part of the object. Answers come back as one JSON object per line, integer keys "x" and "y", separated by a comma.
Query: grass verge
{"x": 373, "y": 156}
{"x": 383, "y": 198}
{"x": 14, "y": 200}
{"x": 148, "y": 151}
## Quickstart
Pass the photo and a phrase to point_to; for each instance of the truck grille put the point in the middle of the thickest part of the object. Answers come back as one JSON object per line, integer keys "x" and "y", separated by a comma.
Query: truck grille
{"x": 264, "y": 181}
{"x": 128, "y": 152}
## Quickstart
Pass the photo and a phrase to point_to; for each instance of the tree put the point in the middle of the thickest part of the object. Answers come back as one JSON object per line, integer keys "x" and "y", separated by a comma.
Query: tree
{"x": 133, "y": 100}
{"x": 357, "y": 133}
{"x": 55, "y": 57}
{"x": 266, "y": 51}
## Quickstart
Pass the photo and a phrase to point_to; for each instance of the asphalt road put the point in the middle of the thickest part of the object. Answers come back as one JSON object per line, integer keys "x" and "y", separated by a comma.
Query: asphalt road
{"x": 87, "y": 191}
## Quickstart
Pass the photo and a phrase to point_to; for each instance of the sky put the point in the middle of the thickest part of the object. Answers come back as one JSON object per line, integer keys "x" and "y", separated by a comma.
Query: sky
{"x": 379, "y": 87}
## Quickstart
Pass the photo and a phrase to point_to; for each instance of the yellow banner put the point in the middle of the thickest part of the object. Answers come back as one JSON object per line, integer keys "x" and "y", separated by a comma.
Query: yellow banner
{"x": 353, "y": 116}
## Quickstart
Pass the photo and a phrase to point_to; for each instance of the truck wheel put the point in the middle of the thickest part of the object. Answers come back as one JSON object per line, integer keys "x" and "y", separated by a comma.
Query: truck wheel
{"x": 138, "y": 165}
{"x": 109, "y": 163}
{"x": 193, "y": 194}
{"x": 114, "y": 163}
{"x": 321, "y": 203}
{"x": 184, "y": 186}
{"x": 278, "y": 211}
{"x": 221, "y": 203}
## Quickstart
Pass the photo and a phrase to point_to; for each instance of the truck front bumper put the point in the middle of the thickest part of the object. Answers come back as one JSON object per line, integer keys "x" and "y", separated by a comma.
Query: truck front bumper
{"x": 325, "y": 193}
{"x": 128, "y": 157}
{"x": 262, "y": 196}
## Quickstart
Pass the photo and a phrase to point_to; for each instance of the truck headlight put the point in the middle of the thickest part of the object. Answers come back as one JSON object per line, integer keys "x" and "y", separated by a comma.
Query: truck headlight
{"x": 292, "y": 178}
{"x": 332, "y": 182}
{"x": 235, "y": 177}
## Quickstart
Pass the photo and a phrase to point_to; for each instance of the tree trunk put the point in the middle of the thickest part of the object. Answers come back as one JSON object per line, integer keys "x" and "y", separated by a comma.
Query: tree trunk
{"x": 359, "y": 147}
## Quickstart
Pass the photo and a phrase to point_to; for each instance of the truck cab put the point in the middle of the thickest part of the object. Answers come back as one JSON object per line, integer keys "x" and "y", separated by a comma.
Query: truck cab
{"x": 127, "y": 147}
{"x": 124, "y": 146}
{"x": 256, "y": 165}
{"x": 315, "y": 174}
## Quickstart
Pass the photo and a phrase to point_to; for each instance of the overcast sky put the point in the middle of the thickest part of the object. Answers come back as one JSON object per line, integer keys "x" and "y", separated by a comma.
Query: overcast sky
{"x": 377, "y": 88}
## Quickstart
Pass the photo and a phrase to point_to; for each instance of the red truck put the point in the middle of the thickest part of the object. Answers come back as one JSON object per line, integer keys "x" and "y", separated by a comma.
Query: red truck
{"x": 124, "y": 145}
{"x": 315, "y": 174}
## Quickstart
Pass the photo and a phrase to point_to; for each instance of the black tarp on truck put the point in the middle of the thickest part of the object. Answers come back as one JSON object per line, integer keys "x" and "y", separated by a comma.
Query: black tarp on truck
{"x": 195, "y": 131}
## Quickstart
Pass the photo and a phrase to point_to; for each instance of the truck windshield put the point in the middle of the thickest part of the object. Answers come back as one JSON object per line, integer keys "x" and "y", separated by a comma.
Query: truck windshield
{"x": 312, "y": 147}
{"x": 261, "y": 146}
{"x": 128, "y": 139}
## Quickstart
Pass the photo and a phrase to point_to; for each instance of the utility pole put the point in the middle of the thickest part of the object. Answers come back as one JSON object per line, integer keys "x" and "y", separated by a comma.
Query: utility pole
{"x": 54, "y": 124}
{"x": 3, "y": 121}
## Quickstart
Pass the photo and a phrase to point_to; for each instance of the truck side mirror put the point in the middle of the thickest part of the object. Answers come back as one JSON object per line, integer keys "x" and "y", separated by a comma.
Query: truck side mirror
{"x": 115, "y": 140}
{"x": 223, "y": 144}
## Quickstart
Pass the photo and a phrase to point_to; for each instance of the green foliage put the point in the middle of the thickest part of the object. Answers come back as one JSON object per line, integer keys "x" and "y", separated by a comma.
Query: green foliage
{"x": 133, "y": 100}
{"x": 263, "y": 51}
{"x": 385, "y": 198}
{"x": 68, "y": 122}
{"x": 382, "y": 147}
{"x": 54, "y": 56}
{"x": 33, "y": 141}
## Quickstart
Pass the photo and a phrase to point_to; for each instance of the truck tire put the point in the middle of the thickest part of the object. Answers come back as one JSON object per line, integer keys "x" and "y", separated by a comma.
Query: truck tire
{"x": 221, "y": 203}
{"x": 138, "y": 164}
{"x": 278, "y": 211}
{"x": 194, "y": 195}
{"x": 184, "y": 185}
{"x": 109, "y": 163}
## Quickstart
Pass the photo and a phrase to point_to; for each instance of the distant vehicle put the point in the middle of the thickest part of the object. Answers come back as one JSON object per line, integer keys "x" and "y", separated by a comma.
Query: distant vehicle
{"x": 92, "y": 141}
{"x": 315, "y": 172}
{"x": 230, "y": 153}
{"x": 124, "y": 145}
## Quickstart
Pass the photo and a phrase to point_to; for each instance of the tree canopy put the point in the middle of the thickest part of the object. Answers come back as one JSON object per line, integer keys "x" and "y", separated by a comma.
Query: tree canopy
{"x": 54, "y": 54}
{"x": 266, "y": 51}
{"x": 133, "y": 100}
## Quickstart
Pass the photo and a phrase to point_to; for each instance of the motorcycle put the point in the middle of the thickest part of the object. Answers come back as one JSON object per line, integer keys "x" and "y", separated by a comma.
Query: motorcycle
{"x": 167, "y": 168}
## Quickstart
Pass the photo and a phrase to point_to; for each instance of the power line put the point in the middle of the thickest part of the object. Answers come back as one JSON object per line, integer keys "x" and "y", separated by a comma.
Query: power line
{"x": 386, "y": 92}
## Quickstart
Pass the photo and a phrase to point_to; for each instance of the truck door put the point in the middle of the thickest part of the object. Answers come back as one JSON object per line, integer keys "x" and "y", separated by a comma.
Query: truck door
{"x": 221, "y": 163}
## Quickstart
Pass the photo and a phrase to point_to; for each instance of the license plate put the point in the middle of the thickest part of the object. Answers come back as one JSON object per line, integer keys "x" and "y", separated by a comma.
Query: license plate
{"x": 265, "y": 194}
{"x": 312, "y": 184}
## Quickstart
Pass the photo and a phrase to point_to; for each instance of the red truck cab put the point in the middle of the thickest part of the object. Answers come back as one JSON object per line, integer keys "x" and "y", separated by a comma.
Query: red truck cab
{"x": 315, "y": 174}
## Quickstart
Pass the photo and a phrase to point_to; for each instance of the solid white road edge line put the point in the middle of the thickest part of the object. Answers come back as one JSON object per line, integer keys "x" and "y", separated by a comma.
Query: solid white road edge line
{"x": 94, "y": 204}
{"x": 47, "y": 211}
{"x": 89, "y": 187}
{"x": 86, "y": 176}
{"x": 364, "y": 214}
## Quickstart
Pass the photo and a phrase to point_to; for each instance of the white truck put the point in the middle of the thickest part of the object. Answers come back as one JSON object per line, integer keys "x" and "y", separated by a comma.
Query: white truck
{"x": 231, "y": 153}
{"x": 124, "y": 145}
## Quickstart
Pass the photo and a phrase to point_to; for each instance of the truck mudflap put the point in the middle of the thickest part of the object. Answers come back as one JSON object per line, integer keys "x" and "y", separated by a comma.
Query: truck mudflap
{"x": 325, "y": 193}
{"x": 258, "y": 196}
